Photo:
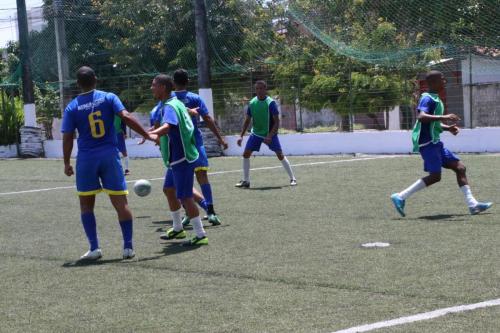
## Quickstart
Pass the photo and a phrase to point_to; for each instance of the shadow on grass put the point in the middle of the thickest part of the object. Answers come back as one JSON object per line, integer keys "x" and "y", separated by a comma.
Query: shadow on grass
{"x": 162, "y": 222}
{"x": 168, "y": 250}
{"x": 266, "y": 188}
{"x": 442, "y": 217}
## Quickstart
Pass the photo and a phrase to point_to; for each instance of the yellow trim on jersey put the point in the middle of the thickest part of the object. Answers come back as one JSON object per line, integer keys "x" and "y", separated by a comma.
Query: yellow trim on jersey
{"x": 89, "y": 193}
{"x": 110, "y": 192}
{"x": 201, "y": 169}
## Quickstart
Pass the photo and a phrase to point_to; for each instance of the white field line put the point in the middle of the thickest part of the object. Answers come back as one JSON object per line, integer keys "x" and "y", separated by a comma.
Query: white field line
{"x": 421, "y": 316}
{"x": 222, "y": 172}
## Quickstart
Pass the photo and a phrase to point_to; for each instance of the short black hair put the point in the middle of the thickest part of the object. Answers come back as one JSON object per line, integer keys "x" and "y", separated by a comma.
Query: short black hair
{"x": 85, "y": 77}
{"x": 262, "y": 82}
{"x": 181, "y": 77}
{"x": 433, "y": 75}
{"x": 165, "y": 80}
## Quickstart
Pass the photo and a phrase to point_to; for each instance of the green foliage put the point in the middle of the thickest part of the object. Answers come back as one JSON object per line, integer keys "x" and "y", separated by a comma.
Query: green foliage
{"x": 11, "y": 117}
{"x": 47, "y": 108}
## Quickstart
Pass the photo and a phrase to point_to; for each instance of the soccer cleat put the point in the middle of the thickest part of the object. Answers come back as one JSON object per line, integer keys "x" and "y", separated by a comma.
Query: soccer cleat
{"x": 213, "y": 219}
{"x": 195, "y": 241}
{"x": 480, "y": 207}
{"x": 128, "y": 253}
{"x": 293, "y": 182}
{"x": 399, "y": 204}
{"x": 92, "y": 255}
{"x": 205, "y": 217}
{"x": 243, "y": 184}
{"x": 127, "y": 172}
{"x": 172, "y": 234}
{"x": 185, "y": 221}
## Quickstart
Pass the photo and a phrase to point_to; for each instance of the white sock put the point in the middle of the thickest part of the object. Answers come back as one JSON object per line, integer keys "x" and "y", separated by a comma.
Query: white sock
{"x": 177, "y": 220}
{"x": 126, "y": 162}
{"x": 198, "y": 227}
{"x": 288, "y": 168}
{"x": 246, "y": 169}
{"x": 469, "y": 198}
{"x": 415, "y": 187}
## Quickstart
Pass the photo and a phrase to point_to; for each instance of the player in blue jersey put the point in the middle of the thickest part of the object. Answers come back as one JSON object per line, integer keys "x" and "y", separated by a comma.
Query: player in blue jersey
{"x": 181, "y": 157}
{"x": 263, "y": 113}
{"x": 197, "y": 108}
{"x": 426, "y": 140}
{"x": 121, "y": 135}
{"x": 155, "y": 119}
{"x": 98, "y": 166}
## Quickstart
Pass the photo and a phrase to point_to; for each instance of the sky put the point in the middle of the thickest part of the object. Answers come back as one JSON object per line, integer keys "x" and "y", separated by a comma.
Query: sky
{"x": 8, "y": 23}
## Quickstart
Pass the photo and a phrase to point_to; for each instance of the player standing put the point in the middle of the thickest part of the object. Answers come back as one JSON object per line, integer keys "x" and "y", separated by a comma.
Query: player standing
{"x": 98, "y": 166}
{"x": 263, "y": 113}
{"x": 121, "y": 135}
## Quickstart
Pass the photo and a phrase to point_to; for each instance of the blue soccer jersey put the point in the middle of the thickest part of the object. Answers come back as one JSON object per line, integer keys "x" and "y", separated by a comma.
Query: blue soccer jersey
{"x": 155, "y": 115}
{"x": 92, "y": 114}
{"x": 427, "y": 105}
{"x": 175, "y": 141}
{"x": 192, "y": 101}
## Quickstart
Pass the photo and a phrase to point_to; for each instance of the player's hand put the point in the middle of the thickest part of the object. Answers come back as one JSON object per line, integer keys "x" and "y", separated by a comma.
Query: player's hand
{"x": 268, "y": 140}
{"x": 453, "y": 129}
{"x": 239, "y": 141}
{"x": 141, "y": 141}
{"x": 224, "y": 144}
{"x": 154, "y": 137}
{"x": 68, "y": 170}
{"x": 452, "y": 117}
{"x": 193, "y": 112}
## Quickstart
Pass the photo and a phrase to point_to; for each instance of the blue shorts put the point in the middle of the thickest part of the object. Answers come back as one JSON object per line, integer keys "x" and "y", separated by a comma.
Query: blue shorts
{"x": 436, "y": 156}
{"x": 102, "y": 174}
{"x": 122, "y": 148}
{"x": 254, "y": 142}
{"x": 181, "y": 176}
{"x": 202, "y": 162}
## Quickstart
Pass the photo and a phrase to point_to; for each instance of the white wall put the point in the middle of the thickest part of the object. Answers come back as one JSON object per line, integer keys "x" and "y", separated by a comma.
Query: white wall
{"x": 8, "y": 151}
{"x": 477, "y": 140}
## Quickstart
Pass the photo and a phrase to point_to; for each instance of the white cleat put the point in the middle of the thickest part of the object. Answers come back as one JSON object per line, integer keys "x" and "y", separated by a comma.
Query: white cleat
{"x": 92, "y": 255}
{"x": 293, "y": 182}
{"x": 128, "y": 253}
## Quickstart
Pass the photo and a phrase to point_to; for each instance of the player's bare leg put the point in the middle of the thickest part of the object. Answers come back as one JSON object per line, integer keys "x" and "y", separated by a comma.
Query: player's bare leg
{"x": 475, "y": 207}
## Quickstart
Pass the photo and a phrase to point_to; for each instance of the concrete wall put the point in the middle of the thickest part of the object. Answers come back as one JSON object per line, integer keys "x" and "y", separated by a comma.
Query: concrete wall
{"x": 8, "y": 151}
{"x": 477, "y": 140}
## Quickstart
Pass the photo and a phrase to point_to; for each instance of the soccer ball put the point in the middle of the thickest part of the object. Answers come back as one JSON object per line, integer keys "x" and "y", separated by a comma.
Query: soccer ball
{"x": 142, "y": 187}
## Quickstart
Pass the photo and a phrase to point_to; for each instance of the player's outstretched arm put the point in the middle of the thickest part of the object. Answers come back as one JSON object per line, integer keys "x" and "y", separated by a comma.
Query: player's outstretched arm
{"x": 246, "y": 124}
{"x": 427, "y": 118}
{"x": 134, "y": 124}
{"x": 162, "y": 130}
{"x": 211, "y": 125}
{"x": 67, "y": 149}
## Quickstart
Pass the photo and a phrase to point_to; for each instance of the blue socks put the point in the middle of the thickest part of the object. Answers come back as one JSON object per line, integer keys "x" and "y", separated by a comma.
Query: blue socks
{"x": 206, "y": 189}
{"x": 203, "y": 204}
{"x": 88, "y": 221}
{"x": 127, "y": 232}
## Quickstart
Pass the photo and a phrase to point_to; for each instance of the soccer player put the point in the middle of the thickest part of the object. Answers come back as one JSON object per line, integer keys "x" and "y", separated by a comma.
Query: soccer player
{"x": 426, "y": 140}
{"x": 263, "y": 113}
{"x": 194, "y": 101}
{"x": 98, "y": 166}
{"x": 121, "y": 135}
{"x": 181, "y": 156}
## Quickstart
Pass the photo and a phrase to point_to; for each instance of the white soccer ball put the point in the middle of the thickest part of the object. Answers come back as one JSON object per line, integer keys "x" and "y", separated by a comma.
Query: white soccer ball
{"x": 142, "y": 187}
